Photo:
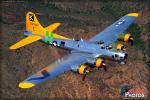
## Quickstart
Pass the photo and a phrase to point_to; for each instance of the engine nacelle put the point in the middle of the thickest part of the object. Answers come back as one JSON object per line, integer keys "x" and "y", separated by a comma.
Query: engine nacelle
{"x": 82, "y": 69}
{"x": 125, "y": 37}
{"x": 120, "y": 47}
{"x": 99, "y": 62}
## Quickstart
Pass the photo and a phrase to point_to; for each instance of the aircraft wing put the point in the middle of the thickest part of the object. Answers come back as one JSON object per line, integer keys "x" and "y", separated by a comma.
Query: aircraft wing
{"x": 25, "y": 41}
{"x": 110, "y": 34}
{"x": 60, "y": 66}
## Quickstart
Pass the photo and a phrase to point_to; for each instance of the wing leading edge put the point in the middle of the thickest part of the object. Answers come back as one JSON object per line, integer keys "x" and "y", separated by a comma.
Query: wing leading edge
{"x": 58, "y": 67}
{"x": 110, "y": 34}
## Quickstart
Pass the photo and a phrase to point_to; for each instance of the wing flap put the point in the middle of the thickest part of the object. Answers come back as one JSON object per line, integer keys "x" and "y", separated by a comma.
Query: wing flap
{"x": 28, "y": 40}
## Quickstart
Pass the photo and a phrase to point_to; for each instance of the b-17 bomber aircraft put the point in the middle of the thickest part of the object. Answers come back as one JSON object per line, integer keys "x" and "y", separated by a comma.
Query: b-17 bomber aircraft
{"x": 83, "y": 53}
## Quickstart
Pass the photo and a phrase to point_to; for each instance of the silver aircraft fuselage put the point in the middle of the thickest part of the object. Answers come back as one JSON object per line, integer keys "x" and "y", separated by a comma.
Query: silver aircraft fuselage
{"x": 96, "y": 50}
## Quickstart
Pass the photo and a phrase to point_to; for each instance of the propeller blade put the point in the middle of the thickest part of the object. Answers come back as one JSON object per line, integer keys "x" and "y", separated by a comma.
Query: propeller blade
{"x": 124, "y": 48}
{"x": 132, "y": 43}
{"x": 104, "y": 66}
{"x": 83, "y": 78}
{"x": 131, "y": 40}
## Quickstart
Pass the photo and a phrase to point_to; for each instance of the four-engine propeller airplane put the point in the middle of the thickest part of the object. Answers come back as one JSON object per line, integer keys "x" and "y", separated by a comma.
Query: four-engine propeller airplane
{"x": 83, "y": 53}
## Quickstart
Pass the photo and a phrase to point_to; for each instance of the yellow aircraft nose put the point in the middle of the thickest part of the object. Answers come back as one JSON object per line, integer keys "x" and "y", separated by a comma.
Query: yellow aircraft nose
{"x": 26, "y": 85}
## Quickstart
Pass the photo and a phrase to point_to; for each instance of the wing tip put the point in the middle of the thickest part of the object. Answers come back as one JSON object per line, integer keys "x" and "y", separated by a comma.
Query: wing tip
{"x": 12, "y": 48}
{"x": 26, "y": 85}
{"x": 57, "y": 24}
{"x": 133, "y": 14}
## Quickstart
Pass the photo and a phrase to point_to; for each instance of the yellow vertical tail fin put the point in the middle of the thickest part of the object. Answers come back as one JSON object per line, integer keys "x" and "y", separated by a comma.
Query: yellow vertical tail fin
{"x": 33, "y": 25}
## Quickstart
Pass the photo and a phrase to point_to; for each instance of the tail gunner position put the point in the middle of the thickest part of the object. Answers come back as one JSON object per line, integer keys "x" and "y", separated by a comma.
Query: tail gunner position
{"x": 83, "y": 53}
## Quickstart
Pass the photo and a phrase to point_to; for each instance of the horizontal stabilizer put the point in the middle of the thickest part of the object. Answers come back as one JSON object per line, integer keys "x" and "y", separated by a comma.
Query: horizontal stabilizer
{"x": 60, "y": 37}
{"x": 25, "y": 41}
{"x": 52, "y": 27}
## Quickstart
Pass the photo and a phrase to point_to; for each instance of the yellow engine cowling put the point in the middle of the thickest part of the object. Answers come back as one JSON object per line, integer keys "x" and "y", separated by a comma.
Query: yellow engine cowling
{"x": 120, "y": 47}
{"x": 127, "y": 37}
{"x": 99, "y": 62}
{"x": 82, "y": 69}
